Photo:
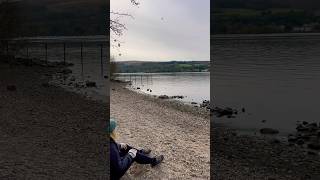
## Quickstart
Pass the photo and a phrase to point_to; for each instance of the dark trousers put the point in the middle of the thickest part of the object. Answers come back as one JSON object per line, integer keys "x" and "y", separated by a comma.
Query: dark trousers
{"x": 140, "y": 158}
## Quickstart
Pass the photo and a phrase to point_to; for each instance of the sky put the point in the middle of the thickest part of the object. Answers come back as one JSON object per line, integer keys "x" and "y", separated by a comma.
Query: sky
{"x": 164, "y": 30}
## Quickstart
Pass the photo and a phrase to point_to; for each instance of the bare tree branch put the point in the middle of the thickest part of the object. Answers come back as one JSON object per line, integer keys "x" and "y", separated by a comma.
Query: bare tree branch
{"x": 121, "y": 14}
{"x": 135, "y": 2}
{"x": 118, "y": 27}
{"x": 115, "y": 25}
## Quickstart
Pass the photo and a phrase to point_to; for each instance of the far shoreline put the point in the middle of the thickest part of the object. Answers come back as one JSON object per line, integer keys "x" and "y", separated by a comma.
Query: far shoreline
{"x": 263, "y": 35}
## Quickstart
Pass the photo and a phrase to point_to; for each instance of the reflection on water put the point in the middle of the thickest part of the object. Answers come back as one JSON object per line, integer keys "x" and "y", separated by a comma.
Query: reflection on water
{"x": 276, "y": 79}
{"x": 194, "y": 86}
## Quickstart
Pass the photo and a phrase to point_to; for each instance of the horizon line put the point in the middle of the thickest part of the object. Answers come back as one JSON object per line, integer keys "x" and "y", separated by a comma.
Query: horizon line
{"x": 162, "y": 61}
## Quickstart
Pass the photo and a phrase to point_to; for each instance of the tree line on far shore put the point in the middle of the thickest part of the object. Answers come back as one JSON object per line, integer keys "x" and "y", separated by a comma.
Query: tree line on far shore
{"x": 9, "y": 19}
{"x": 156, "y": 67}
{"x": 267, "y": 16}
{"x": 52, "y": 18}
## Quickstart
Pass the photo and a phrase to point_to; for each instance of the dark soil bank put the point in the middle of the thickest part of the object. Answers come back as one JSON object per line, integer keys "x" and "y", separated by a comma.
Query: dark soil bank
{"x": 46, "y": 132}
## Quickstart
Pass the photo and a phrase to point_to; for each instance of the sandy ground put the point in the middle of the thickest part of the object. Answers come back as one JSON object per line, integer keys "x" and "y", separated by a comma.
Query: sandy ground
{"x": 46, "y": 132}
{"x": 181, "y": 136}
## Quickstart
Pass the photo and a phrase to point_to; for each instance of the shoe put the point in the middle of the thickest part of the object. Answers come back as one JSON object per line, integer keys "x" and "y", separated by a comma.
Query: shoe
{"x": 146, "y": 151}
{"x": 158, "y": 160}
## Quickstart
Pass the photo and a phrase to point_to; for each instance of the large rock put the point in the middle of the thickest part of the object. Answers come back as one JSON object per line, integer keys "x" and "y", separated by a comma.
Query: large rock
{"x": 312, "y": 127}
{"x": 66, "y": 71}
{"x": 177, "y": 97}
{"x": 314, "y": 145}
{"x": 91, "y": 84}
{"x": 301, "y": 128}
{"x": 300, "y": 141}
{"x": 46, "y": 84}
{"x": 79, "y": 85}
{"x": 219, "y": 112}
{"x": 268, "y": 131}
{"x": 205, "y": 104}
{"x": 292, "y": 138}
{"x": 11, "y": 88}
{"x": 163, "y": 97}
{"x": 307, "y": 127}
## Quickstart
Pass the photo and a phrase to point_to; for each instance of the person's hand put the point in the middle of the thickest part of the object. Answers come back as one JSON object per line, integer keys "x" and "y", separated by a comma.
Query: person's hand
{"x": 133, "y": 153}
{"x": 123, "y": 146}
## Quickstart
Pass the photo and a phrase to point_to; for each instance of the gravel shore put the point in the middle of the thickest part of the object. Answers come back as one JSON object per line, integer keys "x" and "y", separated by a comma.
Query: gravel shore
{"x": 249, "y": 157}
{"x": 47, "y": 132}
{"x": 166, "y": 127}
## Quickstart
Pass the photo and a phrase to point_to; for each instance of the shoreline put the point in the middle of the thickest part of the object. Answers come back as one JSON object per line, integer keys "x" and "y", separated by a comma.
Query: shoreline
{"x": 47, "y": 131}
{"x": 201, "y": 100}
{"x": 263, "y": 35}
{"x": 170, "y": 102}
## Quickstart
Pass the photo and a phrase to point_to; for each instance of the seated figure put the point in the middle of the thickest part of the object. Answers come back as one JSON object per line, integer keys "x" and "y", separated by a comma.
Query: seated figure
{"x": 122, "y": 155}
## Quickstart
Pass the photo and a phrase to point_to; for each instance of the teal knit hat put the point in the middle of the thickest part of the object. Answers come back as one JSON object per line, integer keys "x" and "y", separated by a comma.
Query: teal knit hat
{"x": 113, "y": 125}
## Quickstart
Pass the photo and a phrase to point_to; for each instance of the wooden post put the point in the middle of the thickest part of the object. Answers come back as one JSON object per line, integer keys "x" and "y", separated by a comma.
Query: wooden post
{"x": 64, "y": 53}
{"x": 46, "y": 50}
{"x": 81, "y": 54}
{"x": 101, "y": 58}
{"x": 27, "y": 51}
{"x": 7, "y": 44}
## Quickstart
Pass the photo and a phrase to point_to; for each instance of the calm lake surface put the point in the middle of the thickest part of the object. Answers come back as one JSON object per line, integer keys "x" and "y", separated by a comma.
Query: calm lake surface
{"x": 194, "y": 86}
{"x": 275, "y": 78}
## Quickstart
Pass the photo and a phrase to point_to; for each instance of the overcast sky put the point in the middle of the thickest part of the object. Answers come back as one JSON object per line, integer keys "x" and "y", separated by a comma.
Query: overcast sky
{"x": 164, "y": 30}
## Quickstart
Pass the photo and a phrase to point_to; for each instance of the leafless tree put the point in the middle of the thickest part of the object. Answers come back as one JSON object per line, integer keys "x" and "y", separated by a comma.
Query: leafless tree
{"x": 9, "y": 21}
{"x": 117, "y": 27}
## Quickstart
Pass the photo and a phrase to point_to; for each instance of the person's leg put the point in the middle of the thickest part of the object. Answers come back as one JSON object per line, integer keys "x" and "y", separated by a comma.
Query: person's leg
{"x": 141, "y": 158}
{"x": 123, "y": 152}
{"x": 143, "y": 151}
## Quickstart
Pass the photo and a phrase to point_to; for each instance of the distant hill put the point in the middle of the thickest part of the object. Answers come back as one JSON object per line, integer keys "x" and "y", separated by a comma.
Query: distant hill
{"x": 267, "y": 4}
{"x": 265, "y": 16}
{"x": 154, "y": 67}
{"x": 62, "y": 17}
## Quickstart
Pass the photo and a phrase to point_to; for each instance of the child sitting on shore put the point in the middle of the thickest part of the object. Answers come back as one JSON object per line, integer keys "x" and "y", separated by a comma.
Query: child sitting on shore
{"x": 122, "y": 155}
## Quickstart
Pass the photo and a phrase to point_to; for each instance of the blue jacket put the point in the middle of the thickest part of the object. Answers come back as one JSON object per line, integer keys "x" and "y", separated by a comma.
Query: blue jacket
{"x": 119, "y": 163}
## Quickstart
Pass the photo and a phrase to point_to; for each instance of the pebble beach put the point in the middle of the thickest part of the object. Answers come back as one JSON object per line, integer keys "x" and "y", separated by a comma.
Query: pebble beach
{"x": 47, "y": 132}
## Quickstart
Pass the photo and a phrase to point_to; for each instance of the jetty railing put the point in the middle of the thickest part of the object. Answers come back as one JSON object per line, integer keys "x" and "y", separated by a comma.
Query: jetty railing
{"x": 141, "y": 79}
{"x": 59, "y": 50}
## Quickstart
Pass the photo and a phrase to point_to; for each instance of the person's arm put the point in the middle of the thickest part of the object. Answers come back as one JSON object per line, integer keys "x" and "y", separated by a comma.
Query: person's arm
{"x": 119, "y": 165}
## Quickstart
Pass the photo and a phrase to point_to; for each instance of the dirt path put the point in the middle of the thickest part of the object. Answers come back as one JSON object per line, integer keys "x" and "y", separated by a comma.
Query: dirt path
{"x": 182, "y": 137}
{"x": 46, "y": 132}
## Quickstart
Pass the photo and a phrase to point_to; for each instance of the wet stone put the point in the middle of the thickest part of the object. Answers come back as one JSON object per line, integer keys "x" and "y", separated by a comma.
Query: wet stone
{"x": 11, "y": 88}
